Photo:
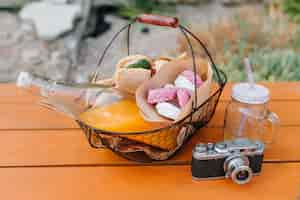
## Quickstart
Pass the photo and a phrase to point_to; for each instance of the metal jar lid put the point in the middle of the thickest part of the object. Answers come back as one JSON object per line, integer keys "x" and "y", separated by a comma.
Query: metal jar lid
{"x": 250, "y": 94}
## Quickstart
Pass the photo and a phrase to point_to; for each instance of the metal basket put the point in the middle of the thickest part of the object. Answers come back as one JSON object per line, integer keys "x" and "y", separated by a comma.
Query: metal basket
{"x": 122, "y": 144}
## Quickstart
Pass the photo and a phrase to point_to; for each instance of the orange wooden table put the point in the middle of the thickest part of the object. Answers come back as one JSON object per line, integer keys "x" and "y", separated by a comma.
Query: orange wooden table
{"x": 44, "y": 155}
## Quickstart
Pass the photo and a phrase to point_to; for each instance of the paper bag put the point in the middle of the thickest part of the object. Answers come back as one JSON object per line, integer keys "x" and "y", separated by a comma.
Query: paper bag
{"x": 168, "y": 74}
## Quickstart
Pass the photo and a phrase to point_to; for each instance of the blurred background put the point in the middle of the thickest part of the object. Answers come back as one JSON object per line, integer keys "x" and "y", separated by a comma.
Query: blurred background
{"x": 62, "y": 39}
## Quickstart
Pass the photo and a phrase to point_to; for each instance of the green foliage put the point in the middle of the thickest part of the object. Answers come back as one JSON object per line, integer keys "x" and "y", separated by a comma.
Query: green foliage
{"x": 13, "y": 6}
{"x": 272, "y": 45}
{"x": 296, "y": 40}
{"x": 143, "y": 64}
{"x": 292, "y": 8}
{"x": 132, "y": 8}
{"x": 270, "y": 61}
{"x": 268, "y": 64}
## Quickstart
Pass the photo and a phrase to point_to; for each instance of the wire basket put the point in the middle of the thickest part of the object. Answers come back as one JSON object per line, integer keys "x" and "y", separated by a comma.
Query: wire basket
{"x": 140, "y": 146}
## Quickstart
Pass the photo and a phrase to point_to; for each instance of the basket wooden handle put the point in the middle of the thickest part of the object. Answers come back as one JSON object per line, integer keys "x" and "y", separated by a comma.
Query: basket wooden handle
{"x": 158, "y": 20}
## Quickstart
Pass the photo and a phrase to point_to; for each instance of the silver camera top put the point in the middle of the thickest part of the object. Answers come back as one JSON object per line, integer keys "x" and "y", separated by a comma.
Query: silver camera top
{"x": 242, "y": 146}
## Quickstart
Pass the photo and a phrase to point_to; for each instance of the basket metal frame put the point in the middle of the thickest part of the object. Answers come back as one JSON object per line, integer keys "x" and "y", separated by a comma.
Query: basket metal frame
{"x": 186, "y": 121}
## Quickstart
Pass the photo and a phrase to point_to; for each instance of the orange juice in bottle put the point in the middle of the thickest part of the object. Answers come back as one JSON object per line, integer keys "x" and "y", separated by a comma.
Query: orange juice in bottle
{"x": 124, "y": 117}
{"x": 121, "y": 116}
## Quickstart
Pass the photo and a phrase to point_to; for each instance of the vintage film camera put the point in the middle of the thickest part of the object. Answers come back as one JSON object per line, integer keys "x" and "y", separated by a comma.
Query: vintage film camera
{"x": 237, "y": 159}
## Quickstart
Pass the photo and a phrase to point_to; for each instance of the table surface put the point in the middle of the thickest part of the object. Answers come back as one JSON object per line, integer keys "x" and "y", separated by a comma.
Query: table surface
{"x": 44, "y": 155}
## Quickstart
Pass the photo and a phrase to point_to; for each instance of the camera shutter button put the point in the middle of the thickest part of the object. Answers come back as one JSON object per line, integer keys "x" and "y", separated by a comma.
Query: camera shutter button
{"x": 210, "y": 146}
{"x": 201, "y": 148}
{"x": 221, "y": 146}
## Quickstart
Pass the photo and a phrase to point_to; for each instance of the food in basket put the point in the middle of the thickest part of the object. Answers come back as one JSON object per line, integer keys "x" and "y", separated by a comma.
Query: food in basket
{"x": 132, "y": 71}
{"x": 183, "y": 96}
{"x": 135, "y": 61}
{"x": 161, "y": 95}
{"x": 169, "y": 99}
{"x": 168, "y": 110}
{"x": 160, "y": 62}
{"x": 128, "y": 80}
{"x": 187, "y": 80}
{"x": 181, "y": 74}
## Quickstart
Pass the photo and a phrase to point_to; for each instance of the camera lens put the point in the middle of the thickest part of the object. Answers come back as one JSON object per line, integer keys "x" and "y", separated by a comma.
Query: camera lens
{"x": 237, "y": 168}
{"x": 242, "y": 175}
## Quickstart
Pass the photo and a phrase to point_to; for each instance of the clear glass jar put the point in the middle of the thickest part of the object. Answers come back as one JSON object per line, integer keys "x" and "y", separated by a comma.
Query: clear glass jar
{"x": 248, "y": 116}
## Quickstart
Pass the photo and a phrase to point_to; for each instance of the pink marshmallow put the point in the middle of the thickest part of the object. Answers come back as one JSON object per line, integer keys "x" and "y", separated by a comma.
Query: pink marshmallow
{"x": 190, "y": 75}
{"x": 161, "y": 95}
{"x": 183, "y": 96}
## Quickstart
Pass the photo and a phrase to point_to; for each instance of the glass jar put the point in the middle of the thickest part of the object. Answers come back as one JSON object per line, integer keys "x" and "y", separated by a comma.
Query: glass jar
{"x": 248, "y": 116}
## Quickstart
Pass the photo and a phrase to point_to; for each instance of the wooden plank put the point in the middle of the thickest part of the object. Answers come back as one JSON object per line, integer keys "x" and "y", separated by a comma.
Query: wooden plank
{"x": 287, "y": 111}
{"x": 12, "y": 94}
{"x": 279, "y": 91}
{"x": 277, "y": 181}
{"x": 36, "y": 148}
{"x": 33, "y": 116}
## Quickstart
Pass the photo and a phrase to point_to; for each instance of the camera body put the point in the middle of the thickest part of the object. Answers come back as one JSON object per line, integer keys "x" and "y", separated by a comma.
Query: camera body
{"x": 237, "y": 159}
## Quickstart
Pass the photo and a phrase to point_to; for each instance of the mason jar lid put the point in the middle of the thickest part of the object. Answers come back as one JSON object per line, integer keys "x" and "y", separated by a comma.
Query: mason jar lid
{"x": 250, "y": 94}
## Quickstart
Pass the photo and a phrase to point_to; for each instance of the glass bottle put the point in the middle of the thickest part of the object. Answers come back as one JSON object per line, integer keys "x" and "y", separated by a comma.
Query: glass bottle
{"x": 71, "y": 99}
{"x": 248, "y": 116}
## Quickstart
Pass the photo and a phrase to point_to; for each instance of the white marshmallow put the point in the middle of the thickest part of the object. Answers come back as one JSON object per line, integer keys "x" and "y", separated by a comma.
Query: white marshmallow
{"x": 183, "y": 82}
{"x": 168, "y": 110}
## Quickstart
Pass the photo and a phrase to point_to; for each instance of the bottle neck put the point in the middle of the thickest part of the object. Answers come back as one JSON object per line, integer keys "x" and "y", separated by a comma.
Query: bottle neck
{"x": 255, "y": 109}
{"x": 46, "y": 88}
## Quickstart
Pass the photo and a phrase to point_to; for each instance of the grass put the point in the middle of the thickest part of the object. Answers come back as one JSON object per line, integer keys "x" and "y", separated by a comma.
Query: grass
{"x": 271, "y": 44}
{"x": 292, "y": 8}
{"x": 268, "y": 64}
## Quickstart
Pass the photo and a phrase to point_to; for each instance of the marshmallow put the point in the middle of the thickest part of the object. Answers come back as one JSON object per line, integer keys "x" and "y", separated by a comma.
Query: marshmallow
{"x": 169, "y": 86}
{"x": 183, "y": 82}
{"x": 190, "y": 75}
{"x": 161, "y": 95}
{"x": 187, "y": 79}
{"x": 183, "y": 96}
{"x": 168, "y": 110}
